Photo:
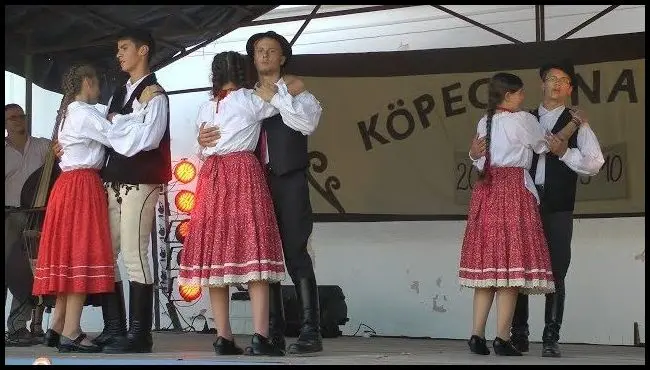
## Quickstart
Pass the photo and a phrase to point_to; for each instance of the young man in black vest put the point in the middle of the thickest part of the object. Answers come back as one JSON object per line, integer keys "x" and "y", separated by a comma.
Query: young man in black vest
{"x": 286, "y": 160}
{"x": 133, "y": 175}
{"x": 555, "y": 175}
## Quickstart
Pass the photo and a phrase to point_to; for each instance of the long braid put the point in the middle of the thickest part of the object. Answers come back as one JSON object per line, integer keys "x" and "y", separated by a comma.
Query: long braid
{"x": 500, "y": 84}
{"x": 71, "y": 85}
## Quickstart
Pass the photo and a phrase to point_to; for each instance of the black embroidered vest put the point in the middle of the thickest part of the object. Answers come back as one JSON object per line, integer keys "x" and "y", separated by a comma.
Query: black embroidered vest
{"x": 146, "y": 167}
{"x": 287, "y": 147}
{"x": 560, "y": 181}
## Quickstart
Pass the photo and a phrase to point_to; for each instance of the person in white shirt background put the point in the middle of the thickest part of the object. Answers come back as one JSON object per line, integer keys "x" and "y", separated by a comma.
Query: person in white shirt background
{"x": 504, "y": 249}
{"x": 24, "y": 154}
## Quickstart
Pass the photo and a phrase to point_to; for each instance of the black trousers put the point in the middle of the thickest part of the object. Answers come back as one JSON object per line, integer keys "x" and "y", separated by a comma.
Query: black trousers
{"x": 290, "y": 193}
{"x": 558, "y": 229}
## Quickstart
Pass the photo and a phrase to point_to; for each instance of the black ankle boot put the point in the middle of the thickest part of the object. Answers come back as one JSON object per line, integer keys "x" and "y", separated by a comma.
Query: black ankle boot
{"x": 51, "y": 338}
{"x": 310, "y": 339}
{"x": 504, "y": 348}
{"x": 478, "y": 345}
{"x": 225, "y": 347}
{"x": 261, "y": 346}
{"x": 138, "y": 338}
{"x": 519, "y": 331}
{"x": 114, "y": 315}
{"x": 554, "y": 310}
{"x": 277, "y": 323}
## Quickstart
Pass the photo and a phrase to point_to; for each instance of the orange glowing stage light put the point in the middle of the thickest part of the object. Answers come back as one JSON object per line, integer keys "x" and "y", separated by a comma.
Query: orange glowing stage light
{"x": 185, "y": 201}
{"x": 189, "y": 293}
{"x": 184, "y": 171}
{"x": 182, "y": 229}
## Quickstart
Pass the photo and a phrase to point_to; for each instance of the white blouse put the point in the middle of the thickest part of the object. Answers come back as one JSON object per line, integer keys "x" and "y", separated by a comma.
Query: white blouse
{"x": 84, "y": 134}
{"x": 515, "y": 136}
{"x": 239, "y": 118}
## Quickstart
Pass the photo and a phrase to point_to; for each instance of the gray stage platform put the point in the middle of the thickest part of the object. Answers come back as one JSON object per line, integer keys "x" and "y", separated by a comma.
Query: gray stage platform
{"x": 196, "y": 349}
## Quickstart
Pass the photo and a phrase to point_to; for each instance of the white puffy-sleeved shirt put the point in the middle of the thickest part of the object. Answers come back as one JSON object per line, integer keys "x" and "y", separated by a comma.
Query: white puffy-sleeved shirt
{"x": 84, "y": 134}
{"x": 238, "y": 116}
{"x": 515, "y": 136}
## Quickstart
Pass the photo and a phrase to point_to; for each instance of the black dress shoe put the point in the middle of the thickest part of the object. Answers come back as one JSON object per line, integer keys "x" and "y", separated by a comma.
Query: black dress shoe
{"x": 504, "y": 348}
{"x": 68, "y": 345}
{"x": 19, "y": 338}
{"x": 261, "y": 346}
{"x": 520, "y": 342}
{"x": 52, "y": 338}
{"x": 478, "y": 345}
{"x": 225, "y": 347}
{"x": 309, "y": 341}
{"x": 551, "y": 349}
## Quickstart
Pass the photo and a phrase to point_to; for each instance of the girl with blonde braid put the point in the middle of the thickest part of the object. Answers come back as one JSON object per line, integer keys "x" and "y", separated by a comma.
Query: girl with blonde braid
{"x": 75, "y": 257}
{"x": 504, "y": 250}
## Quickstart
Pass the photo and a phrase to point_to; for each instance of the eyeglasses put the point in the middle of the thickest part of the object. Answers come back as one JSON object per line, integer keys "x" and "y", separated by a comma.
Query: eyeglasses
{"x": 562, "y": 81}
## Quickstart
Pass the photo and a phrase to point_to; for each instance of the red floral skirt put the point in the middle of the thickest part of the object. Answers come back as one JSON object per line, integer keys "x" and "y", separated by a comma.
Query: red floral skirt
{"x": 504, "y": 243}
{"x": 233, "y": 236}
{"x": 75, "y": 253}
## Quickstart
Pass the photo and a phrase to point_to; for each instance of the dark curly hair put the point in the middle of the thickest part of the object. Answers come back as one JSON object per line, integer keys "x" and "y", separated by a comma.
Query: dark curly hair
{"x": 228, "y": 66}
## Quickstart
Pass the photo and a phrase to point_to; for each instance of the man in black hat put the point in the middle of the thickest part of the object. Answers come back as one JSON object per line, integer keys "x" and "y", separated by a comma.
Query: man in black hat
{"x": 555, "y": 175}
{"x": 283, "y": 150}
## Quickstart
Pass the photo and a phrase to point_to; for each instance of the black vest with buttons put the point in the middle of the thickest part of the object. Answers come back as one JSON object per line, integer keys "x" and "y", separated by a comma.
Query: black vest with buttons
{"x": 146, "y": 167}
{"x": 560, "y": 181}
{"x": 287, "y": 147}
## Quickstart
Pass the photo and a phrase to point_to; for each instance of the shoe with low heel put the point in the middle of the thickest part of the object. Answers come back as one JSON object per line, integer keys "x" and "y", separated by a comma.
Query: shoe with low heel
{"x": 74, "y": 345}
{"x": 52, "y": 338}
{"x": 225, "y": 347}
{"x": 262, "y": 346}
{"x": 478, "y": 345}
{"x": 505, "y": 348}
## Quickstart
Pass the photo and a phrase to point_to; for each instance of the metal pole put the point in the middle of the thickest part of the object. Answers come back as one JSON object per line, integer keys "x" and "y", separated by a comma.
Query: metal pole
{"x": 29, "y": 72}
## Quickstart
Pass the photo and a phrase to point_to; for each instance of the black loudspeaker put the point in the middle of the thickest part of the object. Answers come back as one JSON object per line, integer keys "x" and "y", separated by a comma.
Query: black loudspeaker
{"x": 333, "y": 309}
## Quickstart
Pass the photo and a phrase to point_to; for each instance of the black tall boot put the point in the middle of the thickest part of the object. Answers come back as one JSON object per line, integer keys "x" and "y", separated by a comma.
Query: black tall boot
{"x": 138, "y": 338}
{"x": 554, "y": 310}
{"x": 519, "y": 331}
{"x": 114, "y": 314}
{"x": 277, "y": 322}
{"x": 310, "y": 339}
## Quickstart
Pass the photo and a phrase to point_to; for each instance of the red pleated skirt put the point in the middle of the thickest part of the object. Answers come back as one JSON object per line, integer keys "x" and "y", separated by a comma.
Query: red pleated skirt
{"x": 504, "y": 243}
{"x": 233, "y": 236}
{"x": 75, "y": 253}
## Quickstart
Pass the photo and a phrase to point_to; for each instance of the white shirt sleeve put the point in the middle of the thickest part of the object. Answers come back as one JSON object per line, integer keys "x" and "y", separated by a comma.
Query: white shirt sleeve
{"x": 94, "y": 126}
{"x": 200, "y": 118}
{"x": 130, "y": 135}
{"x": 587, "y": 158}
{"x": 301, "y": 113}
{"x": 481, "y": 130}
{"x": 261, "y": 109}
{"x": 530, "y": 133}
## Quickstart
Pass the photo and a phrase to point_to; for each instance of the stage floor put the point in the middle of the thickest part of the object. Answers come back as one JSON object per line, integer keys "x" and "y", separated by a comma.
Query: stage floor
{"x": 196, "y": 349}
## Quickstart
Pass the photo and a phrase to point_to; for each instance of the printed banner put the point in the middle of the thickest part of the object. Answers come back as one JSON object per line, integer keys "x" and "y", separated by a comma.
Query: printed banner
{"x": 397, "y": 144}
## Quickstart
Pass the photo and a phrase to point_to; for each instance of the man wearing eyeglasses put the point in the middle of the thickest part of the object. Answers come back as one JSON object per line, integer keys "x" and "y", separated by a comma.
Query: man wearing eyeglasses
{"x": 24, "y": 154}
{"x": 555, "y": 174}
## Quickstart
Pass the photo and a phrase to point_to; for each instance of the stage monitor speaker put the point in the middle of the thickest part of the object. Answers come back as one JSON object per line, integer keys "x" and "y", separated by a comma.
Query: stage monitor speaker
{"x": 333, "y": 309}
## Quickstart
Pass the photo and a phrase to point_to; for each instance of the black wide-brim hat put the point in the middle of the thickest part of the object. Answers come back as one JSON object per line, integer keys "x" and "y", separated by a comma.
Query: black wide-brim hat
{"x": 286, "y": 47}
